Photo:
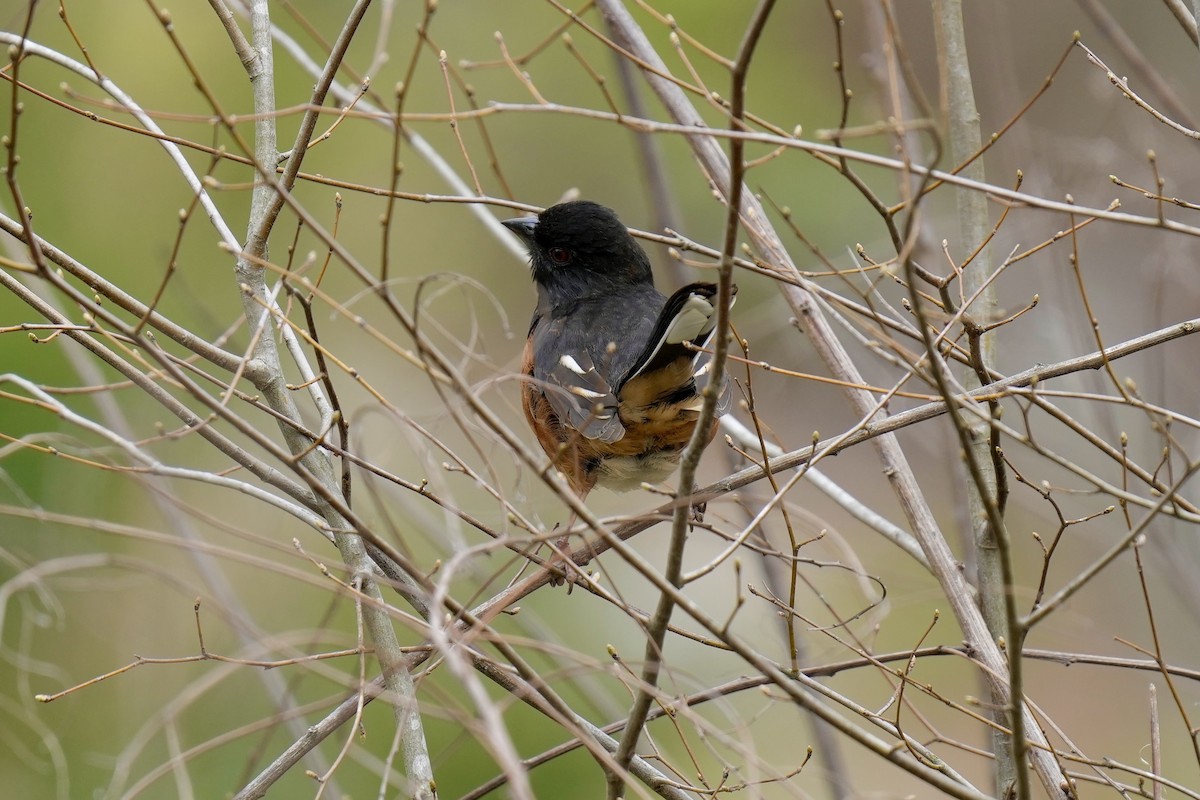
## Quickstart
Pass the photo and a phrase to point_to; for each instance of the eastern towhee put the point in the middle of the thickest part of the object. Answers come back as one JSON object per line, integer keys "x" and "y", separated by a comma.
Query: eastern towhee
{"x": 612, "y": 391}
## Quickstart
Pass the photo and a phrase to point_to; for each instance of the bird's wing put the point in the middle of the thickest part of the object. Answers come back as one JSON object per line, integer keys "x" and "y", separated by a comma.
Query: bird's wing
{"x": 578, "y": 393}
{"x": 688, "y": 318}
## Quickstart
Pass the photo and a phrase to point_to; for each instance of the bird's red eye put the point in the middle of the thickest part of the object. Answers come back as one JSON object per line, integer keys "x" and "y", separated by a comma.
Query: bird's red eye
{"x": 560, "y": 255}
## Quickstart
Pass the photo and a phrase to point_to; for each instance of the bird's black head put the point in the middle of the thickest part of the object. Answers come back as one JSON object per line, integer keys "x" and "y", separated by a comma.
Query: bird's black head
{"x": 580, "y": 248}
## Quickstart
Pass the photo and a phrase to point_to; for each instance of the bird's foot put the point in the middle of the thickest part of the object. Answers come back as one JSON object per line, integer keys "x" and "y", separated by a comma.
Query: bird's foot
{"x": 696, "y": 509}
{"x": 560, "y": 571}
{"x": 560, "y": 565}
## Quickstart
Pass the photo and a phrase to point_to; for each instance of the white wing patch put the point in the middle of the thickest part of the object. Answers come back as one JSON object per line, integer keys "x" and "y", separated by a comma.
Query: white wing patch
{"x": 582, "y": 398}
{"x": 570, "y": 363}
{"x": 695, "y": 318}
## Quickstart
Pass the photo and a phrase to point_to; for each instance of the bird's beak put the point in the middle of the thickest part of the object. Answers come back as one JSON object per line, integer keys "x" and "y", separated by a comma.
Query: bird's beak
{"x": 523, "y": 227}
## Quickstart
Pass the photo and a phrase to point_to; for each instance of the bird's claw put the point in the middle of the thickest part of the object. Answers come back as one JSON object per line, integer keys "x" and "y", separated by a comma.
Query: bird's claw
{"x": 560, "y": 572}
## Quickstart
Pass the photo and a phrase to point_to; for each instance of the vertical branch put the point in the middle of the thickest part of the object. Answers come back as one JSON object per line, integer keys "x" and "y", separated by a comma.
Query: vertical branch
{"x": 1155, "y": 744}
{"x": 820, "y": 334}
{"x": 266, "y": 202}
{"x": 657, "y": 627}
{"x": 266, "y": 149}
{"x": 16, "y": 56}
{"x": 986, "y": 488}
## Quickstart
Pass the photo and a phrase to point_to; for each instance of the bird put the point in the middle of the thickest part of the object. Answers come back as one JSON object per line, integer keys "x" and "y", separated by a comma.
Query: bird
{"x": 613, "y": 373}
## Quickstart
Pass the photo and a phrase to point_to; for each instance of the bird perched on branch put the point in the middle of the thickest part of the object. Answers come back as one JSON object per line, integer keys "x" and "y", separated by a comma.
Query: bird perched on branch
{"x": 614, "y": 380}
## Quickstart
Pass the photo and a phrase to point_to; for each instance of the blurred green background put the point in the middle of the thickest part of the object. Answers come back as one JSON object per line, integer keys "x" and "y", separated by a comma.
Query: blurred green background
{"x": 79, "y": 600}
